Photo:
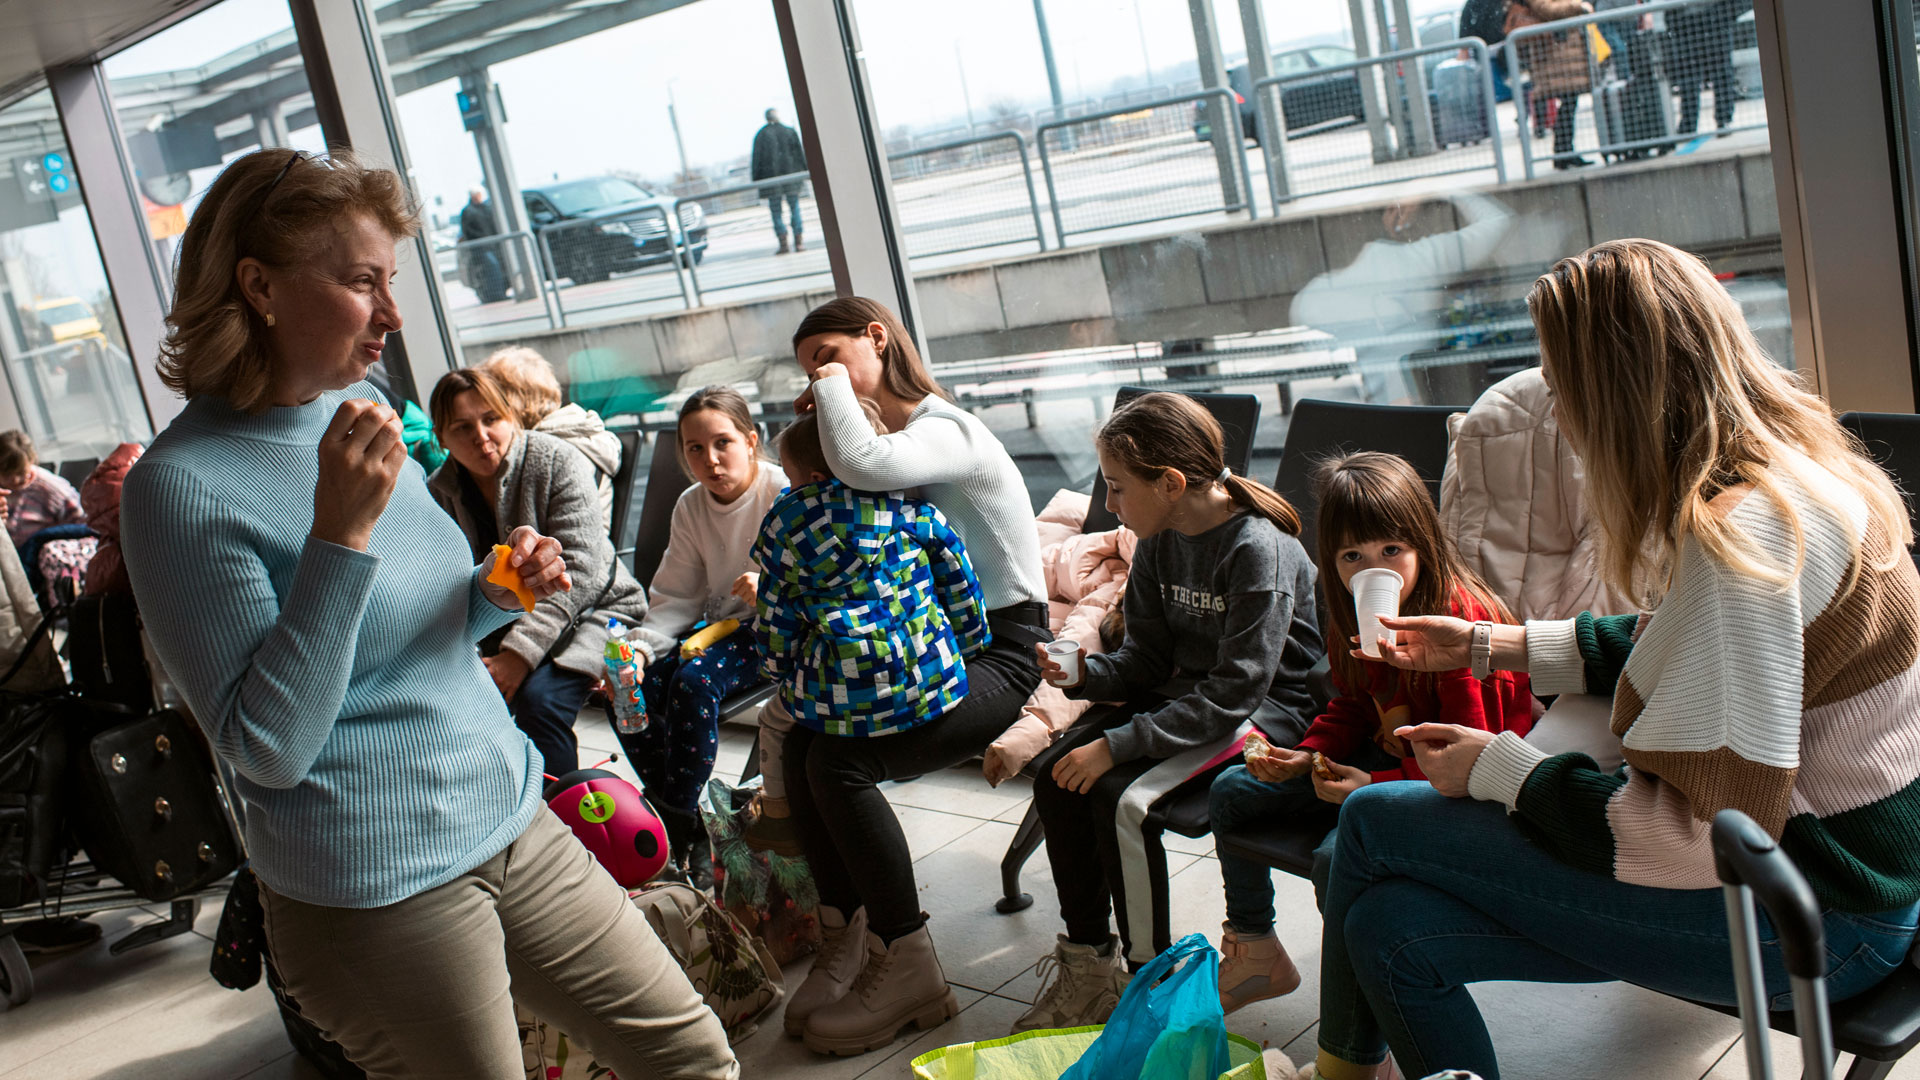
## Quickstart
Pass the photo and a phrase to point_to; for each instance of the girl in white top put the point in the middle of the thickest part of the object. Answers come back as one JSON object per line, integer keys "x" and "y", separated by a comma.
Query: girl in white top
{"x": 704, "y": 577}
{"x": 856, "y": 349}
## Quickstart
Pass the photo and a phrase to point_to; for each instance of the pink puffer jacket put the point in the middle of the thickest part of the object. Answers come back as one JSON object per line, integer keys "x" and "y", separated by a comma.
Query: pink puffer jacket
{"x": 100, "y": 498}
{"x": 1086, "y": 577}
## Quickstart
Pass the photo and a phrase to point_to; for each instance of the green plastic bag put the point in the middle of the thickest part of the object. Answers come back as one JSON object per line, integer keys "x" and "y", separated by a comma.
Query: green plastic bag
{"x": 1044, "y": 1055}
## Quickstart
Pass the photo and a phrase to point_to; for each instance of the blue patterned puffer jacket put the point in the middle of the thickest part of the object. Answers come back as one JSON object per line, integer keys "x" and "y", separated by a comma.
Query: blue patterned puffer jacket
{"x": 867, "y": 607}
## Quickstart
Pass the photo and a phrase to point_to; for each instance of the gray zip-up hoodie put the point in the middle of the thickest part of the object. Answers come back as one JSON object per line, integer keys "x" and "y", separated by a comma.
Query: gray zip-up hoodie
{"x": 584, "y": 429}
{"x": 546, "y": 484}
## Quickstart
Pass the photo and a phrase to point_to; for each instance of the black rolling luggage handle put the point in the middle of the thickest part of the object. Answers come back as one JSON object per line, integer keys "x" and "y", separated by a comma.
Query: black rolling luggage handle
{"x": 1749, "y": 862}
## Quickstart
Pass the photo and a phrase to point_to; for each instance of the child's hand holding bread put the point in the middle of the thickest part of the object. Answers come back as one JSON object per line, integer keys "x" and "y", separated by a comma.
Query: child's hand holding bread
{"x": 1272, "y": 763}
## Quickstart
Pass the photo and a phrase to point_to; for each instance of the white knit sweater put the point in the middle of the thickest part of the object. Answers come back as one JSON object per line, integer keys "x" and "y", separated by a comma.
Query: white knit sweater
{"x": 957, "y": 465}
{"x": 708, "y": 547}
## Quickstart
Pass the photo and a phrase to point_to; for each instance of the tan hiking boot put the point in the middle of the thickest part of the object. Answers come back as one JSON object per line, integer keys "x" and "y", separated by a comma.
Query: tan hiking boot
{"x": 901, "y": 984}
{"x": 1253, "y": 969}
{"x": 1081, "y": 986}
{"x": 842, "y": 949}
{"x": 772, "y": 829}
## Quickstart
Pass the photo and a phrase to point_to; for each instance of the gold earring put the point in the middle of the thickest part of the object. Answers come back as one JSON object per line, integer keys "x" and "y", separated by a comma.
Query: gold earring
{"x": 269, "y": 318}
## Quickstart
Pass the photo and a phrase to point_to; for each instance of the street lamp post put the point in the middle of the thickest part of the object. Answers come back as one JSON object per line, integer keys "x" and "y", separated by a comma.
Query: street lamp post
{"x": 673, "y": 117}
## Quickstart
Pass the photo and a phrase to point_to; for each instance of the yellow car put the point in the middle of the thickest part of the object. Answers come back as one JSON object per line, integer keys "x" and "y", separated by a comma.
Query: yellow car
{"x": 67, "y": 319}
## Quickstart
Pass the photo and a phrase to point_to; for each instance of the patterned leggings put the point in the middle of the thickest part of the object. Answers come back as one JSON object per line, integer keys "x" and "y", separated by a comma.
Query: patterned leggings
{"x": 674, "y": 756}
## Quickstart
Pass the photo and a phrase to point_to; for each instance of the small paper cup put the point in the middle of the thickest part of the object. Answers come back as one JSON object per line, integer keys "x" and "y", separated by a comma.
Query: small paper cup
{"x": 1066, "y": 654}
{"x": 1376, "y": 595}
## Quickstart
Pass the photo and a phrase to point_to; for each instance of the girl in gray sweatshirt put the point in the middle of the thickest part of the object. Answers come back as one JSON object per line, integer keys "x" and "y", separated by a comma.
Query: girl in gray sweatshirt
{"x": 1220, "y": 635}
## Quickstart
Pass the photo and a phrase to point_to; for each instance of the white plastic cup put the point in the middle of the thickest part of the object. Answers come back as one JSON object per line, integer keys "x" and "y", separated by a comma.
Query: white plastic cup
{"x": 1066, "y": 654}
{"x": 1376, "y": 595}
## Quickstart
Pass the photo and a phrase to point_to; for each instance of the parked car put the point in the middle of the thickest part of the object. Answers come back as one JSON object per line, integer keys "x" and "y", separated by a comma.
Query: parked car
{"x": 603, "y": 225}
{"x": 1331, "y": 100}
{"x": 66, "y": 318}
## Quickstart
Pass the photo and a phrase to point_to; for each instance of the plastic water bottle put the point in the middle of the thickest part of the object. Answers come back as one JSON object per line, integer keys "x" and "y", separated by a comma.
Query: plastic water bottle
{"x": 623, "y": 682}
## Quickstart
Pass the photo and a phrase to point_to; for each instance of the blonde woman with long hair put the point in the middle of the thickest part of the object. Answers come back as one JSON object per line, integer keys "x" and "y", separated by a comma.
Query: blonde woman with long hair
{"x": 1776, "y": 677}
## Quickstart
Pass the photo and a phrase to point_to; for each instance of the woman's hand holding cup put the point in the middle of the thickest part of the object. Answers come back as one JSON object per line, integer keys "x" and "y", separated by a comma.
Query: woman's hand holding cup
{"x": 1427, "y": 643}
{"x": 1062, "y": 663}
{"x": 360, "y": 459}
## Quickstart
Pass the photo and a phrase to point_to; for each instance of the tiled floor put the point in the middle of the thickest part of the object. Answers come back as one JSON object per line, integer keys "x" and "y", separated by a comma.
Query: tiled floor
{"x": 153, "y": 1014}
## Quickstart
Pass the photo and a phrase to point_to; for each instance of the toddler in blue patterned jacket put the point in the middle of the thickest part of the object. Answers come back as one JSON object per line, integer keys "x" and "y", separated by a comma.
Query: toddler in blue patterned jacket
{"x": 867, "y": 604}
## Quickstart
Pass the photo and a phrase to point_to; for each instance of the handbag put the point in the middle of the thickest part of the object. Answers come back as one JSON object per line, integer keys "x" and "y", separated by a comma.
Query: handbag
{"x": 1168, "y": 1025}
{"x": 772, "y": 895}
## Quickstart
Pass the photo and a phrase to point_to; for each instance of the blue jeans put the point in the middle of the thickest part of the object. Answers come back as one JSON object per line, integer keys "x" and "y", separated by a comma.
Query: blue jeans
{"x": 545, "y": 707}
{"x": 1428, "y": 894}
{"x": 674, "y": 756}
{"x": 1240, "y": 801}
{"x": 792, "y": 199}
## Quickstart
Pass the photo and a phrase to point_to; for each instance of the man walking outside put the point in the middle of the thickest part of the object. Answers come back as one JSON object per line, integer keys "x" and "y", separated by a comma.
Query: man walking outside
{"x": 480, "y": 266}
{"x": 776, "y": 152}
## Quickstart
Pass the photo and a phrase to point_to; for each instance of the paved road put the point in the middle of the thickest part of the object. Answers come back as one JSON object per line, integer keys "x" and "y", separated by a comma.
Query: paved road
{"x": 1156, "y": 181}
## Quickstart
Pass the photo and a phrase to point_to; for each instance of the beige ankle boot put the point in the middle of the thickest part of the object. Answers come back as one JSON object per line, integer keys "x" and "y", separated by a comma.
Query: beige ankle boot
{"x": 843, "y": 945}
{"x": 1253, "y": 969}
{"x": 901, "y": 984}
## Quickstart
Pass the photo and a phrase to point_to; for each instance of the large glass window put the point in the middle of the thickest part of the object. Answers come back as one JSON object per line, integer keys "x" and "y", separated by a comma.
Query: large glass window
{"x": 605, "y": 169}
{"x": 195, "y": 96}
{"x": 1159, "y": 236}
{"x": 60, "y": 334}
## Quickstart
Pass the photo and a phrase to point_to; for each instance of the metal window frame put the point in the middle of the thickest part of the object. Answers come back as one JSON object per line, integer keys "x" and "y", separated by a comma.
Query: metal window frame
{"x": 353, "y": 96}
{"x": 1842, "y": 229}
{"x": 852, "y": 183}
{"x": 107, "y": 188}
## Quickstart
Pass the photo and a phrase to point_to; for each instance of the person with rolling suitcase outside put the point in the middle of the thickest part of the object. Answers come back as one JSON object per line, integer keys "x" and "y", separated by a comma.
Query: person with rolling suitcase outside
{"x": 1556, "y": 66}
{"x": 1773, "y": 678}
{"x": 319, "y": 612}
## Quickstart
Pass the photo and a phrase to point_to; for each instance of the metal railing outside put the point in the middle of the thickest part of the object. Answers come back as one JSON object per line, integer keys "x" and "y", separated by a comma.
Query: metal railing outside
{"x": 1631, "y": 96}
{"x": 1463, "y": 136}
{"x": 807, "y": 267}
{"x": 468, "y": 263}
{"x": 1154, "y": 141}
{"x": 676, "y": 252}
{"x": 943, "y": 218}
{"x": 78, "y": 398}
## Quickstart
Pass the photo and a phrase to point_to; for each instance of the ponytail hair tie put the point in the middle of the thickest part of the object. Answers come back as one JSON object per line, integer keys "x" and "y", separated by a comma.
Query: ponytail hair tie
{"x": 1224, "y": 474}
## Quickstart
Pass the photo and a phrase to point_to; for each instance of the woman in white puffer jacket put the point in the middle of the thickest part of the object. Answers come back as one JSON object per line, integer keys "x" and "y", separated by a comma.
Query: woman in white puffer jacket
{"x": 1512, "y": 500}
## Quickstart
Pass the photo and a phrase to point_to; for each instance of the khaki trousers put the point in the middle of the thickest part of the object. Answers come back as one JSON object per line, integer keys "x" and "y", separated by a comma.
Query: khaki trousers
{"x": 420, "y": 989}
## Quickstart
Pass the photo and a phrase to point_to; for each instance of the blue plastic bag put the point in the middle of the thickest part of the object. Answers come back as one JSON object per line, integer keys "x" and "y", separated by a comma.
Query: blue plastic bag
{"x": 1168, "y": 1025}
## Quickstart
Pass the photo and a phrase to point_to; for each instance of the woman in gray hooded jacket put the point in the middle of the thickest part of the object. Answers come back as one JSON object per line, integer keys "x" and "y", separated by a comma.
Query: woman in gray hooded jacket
{"x": 498, "y": 477}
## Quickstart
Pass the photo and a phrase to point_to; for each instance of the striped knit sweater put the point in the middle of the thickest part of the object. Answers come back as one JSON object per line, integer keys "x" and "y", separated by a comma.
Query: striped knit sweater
{"x": 1799, "y": 706}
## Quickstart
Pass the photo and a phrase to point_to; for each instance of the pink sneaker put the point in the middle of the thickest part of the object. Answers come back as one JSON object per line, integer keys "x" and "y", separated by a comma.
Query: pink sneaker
{"x": 1253, "y": 969}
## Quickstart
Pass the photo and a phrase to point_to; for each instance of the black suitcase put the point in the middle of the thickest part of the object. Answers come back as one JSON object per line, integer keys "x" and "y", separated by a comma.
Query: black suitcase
{"x": 145, "y": 804}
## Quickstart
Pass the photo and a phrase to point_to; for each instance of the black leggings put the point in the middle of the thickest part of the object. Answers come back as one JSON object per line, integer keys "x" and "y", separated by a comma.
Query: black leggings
{"x": 852, "y": 838}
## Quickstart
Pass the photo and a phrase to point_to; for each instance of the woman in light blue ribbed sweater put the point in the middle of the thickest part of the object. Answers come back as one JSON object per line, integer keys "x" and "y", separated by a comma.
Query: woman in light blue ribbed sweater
{"x": 320, "y": 611}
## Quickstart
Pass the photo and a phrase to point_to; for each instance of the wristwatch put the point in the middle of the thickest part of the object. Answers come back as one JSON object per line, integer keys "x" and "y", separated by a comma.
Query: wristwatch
{"x": 1481, "y": 651}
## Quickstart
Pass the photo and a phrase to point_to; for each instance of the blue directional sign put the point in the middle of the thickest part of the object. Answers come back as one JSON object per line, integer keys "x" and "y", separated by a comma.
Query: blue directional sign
{"x": 54, "y": 162}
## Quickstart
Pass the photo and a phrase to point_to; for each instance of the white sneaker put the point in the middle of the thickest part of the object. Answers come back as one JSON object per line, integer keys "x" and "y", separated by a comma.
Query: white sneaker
{"x": 843, "y": 949}
{"x": 1081, "y": 986}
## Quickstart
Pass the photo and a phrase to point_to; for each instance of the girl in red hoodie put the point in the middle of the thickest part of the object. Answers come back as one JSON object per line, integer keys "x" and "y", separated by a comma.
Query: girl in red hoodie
{"x": 1374, "y": 511}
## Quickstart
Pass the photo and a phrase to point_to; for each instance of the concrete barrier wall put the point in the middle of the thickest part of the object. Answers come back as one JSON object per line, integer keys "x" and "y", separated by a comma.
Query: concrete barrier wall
{"x": 1223, "y": 279}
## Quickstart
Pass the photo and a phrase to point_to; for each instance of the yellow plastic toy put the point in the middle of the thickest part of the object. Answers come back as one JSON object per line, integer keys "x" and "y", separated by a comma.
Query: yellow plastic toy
{"x": 505, "y": 575}
{"x": 698, "y": 644}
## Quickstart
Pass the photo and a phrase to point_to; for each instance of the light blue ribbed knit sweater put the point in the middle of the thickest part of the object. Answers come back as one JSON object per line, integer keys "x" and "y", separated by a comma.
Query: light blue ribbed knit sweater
{"x": 374, "y": 754}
